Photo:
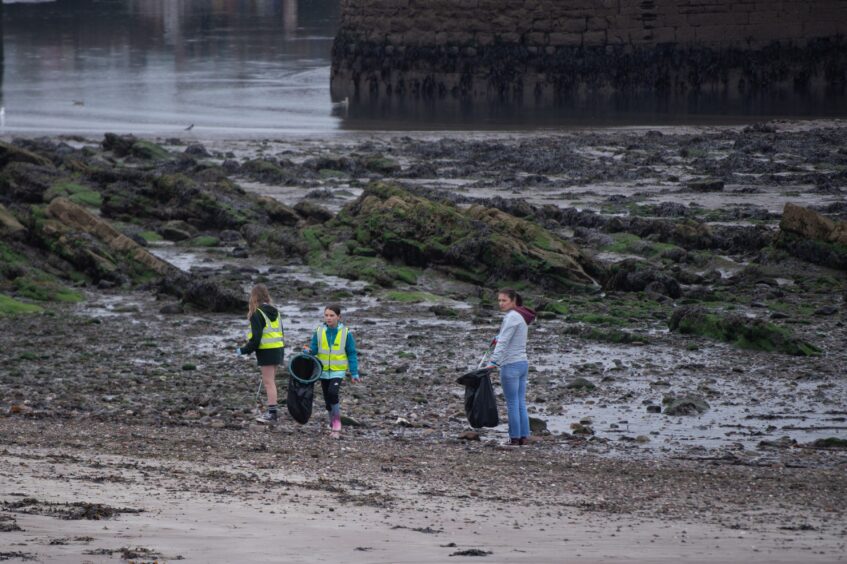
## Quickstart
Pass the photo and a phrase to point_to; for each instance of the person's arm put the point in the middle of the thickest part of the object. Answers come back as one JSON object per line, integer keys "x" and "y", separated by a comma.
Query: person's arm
{"x": 257, "y": 325}
{"x": 507, "y": 330}
{"x": 313, "y": 345}
{"x": 352, "y": 357}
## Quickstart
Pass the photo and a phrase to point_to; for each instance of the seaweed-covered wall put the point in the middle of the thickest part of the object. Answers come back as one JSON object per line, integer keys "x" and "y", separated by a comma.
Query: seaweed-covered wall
{"x": 548, "y": 50}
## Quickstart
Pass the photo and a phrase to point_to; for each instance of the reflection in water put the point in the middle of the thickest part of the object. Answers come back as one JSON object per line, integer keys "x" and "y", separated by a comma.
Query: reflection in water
{"x": 707, "y": 108}
{"x": 155, "y": 66}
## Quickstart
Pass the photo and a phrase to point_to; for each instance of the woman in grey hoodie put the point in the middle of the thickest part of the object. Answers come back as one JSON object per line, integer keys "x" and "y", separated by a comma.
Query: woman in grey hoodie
{"x": 510, "y": 357}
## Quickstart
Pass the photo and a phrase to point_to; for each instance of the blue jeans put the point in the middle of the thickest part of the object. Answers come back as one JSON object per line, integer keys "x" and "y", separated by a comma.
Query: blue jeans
{"x": 513, "y": 380}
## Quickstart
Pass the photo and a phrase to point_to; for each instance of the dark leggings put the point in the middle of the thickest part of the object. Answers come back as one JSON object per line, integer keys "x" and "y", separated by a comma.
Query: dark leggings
{"x": 331, "y": 388}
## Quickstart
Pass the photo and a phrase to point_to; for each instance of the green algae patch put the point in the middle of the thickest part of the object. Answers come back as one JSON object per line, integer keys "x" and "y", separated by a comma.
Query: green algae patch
{"x": 381, "y": 164}
{"x": 150, "y": 236}
{"x": 830, "y": 442}
{"x": 77, "y": 193}
{"x": 607, "y": 335}
{"x": 412, "y": 297}
{"x": 43, "y": 288}
{"x": 480, "y": 245}
{"x": 743, "y": 332}
{"x": 11, "y": 306}
{"x": 265, "y": 170}
{"x": 327, "y": 173}
{"x": 150, "y": 151}
{"x": 203, "y": 241}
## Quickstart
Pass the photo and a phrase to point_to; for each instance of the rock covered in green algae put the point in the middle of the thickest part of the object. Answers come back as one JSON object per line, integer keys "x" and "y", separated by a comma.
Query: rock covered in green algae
{"x": 478, "y": 244}
{"x": 813, "y": 237}
{"x": 741, "y": 331}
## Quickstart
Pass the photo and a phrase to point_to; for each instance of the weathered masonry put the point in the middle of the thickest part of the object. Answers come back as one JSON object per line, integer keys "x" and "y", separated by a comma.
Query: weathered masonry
{"x": 542, "y": 51}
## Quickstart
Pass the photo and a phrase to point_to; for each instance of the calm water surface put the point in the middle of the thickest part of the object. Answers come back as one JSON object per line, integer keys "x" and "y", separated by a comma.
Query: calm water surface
{"x": 229, "y": 67}
{"x": 253, "y": 68}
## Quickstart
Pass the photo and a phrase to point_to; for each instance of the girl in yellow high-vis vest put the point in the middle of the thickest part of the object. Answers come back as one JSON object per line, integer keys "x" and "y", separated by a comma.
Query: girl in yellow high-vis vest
{"x": 266, "y": 339}
{"x": 333, "y": 344}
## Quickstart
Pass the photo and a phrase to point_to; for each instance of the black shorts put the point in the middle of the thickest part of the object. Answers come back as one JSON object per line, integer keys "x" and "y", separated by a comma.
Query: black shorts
{"x": 270, "y": 357}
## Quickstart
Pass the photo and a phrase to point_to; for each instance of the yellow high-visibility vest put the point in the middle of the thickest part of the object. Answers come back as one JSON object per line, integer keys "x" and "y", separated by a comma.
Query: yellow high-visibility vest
{"x": 272, "y": 337}
{"x": 333, "y": 357}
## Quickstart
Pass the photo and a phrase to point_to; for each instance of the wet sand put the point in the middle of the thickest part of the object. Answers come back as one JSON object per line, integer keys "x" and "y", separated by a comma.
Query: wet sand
{"x": 249, "y": 510}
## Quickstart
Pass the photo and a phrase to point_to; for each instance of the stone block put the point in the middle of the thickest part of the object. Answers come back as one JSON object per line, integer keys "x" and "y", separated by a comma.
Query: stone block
{"x": 536, "y": 38}
{"x": 596, "y": 24}
{"x": 419, "y": 37}
{"x": 663, "y": 35}
{"x": 712, "y": 19}
{"x": 565, "y": 39}
{"x": 571, "y": 25}
{"x": 484, "y": 38}
{"x": 591, "y": 38}
{"x": 508, "y": 37}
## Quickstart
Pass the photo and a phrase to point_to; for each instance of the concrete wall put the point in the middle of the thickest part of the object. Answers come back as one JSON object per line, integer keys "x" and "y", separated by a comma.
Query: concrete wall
{"x": 546, "y": 50}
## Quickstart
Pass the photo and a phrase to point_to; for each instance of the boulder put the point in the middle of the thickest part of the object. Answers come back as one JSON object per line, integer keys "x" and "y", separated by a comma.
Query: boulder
{"x": 177, "y": 231}
{"x": 25, "y": 182}
{"x": 279, "y": 212}
{"x": 11, "y": 154}
{"x": 811, "y": 225}
{"x": 705, "y": 185}
{"x": 580, "y": 384}
{"x": 9, "y": 224}
{"x": 633, "y": 275}
{"x": 78, "y": 218}
{"x": 685, "y": 405}
{"x": 813, "y": 237}
{"x": 312, "y": 212}
{"x": 478, "y": 244}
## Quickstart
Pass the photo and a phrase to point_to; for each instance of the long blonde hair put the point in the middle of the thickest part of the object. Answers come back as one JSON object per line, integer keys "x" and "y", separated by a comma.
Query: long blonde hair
{"x": 258, "y": 295}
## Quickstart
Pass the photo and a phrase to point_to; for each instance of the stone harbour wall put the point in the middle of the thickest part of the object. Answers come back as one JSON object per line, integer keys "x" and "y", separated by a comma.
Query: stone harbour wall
{"x": 547, "y": 50}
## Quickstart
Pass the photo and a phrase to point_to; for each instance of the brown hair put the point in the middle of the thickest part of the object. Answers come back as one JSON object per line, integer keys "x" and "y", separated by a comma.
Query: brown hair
{"x": 258, "y": 295}
{"x": 334, "y": 308}
{"x": 513, "y": 295}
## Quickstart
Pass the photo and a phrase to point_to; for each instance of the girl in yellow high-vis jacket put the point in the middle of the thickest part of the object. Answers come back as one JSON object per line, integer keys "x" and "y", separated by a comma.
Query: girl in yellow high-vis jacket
{"x": 266, "y": 339}
{"x": 333, "y": 344}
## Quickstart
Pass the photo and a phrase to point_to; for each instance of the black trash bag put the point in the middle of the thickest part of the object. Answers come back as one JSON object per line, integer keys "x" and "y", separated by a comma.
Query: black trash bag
{"x": 305, "y": 368}
{"x": 300, "y": 399}
{"x": 480, "y": 402}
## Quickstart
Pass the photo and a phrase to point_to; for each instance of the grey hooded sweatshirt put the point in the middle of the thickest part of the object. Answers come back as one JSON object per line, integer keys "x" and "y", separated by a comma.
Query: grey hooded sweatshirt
{"x": 511, "y": 341}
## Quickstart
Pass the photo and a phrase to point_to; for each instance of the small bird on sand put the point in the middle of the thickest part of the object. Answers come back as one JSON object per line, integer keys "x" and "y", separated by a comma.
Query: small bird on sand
{"x": 190, "y": 127}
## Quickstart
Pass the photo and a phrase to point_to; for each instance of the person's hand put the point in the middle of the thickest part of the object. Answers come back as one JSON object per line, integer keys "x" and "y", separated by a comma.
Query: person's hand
{"x": 491, "y": 367}
{"x": 355, "y": 379}
{"x": 307, "y": 350}
{"x": 238, "y": 351}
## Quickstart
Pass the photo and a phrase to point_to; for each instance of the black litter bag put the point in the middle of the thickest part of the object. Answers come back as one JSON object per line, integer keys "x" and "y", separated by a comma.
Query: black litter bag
{"x": 480, "y": 403}
{"x": 300, "y": 399}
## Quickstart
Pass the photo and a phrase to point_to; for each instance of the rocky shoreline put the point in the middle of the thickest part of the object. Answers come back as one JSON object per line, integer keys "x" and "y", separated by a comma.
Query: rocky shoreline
{"x": 687, "y": 363}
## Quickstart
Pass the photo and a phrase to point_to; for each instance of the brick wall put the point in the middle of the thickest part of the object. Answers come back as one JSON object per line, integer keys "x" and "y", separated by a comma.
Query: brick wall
{"x": 541, "y": 50}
